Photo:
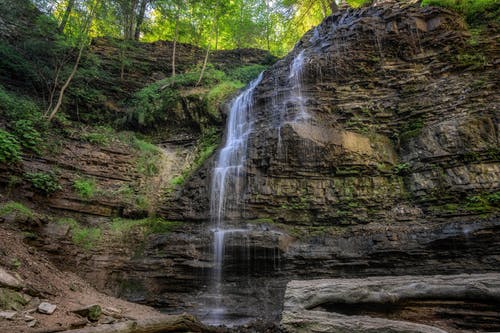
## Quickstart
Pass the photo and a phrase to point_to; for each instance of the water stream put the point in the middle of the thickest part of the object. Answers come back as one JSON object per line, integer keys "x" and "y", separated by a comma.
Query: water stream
{"x": 227, "y": 184}
{"x": 228, "y": 176}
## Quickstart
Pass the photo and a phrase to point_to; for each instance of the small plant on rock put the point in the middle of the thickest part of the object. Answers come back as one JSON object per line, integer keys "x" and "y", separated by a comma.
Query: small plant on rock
{"x": 44, "y": 182}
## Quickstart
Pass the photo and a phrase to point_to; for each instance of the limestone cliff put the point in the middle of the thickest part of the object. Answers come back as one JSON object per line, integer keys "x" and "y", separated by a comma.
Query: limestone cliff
{"x": 395, "y": 171}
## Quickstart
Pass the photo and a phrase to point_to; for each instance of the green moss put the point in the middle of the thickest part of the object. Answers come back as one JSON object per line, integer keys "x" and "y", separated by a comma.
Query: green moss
{"x": 262, "y": 220}
{"x": 149, "y": 157}
{"x": 17, "y": 208}
{"x": 412, "y": 130}
{"x": 150, "y": 225}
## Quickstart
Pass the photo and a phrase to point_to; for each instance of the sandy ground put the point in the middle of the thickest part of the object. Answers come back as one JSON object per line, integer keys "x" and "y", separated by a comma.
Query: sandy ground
{"x": 47, "y": 283}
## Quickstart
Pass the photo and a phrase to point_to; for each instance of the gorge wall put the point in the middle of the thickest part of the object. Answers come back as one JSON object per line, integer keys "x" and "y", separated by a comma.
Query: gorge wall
{"x": 396, "y": 171}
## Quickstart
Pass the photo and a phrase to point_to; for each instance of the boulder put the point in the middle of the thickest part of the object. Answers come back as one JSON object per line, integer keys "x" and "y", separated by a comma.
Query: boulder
{"x": 8, "y": 280}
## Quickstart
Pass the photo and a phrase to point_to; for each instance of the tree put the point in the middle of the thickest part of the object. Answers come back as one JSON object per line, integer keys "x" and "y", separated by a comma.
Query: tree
{"x": 82, "y": 41}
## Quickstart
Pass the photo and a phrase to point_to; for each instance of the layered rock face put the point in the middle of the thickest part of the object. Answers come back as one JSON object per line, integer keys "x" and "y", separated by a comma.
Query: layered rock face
{"x": 394, "y": 169}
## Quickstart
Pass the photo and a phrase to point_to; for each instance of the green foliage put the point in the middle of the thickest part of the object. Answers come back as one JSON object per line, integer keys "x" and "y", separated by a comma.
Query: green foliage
{"x": 85, "y": 188}
{"x": 99, "y": 135}
{"x": 86, "y": 237}
{"x": 220, "y": 93}
{"x": 247, "y": 73}
{"x": 401, "y": 168}
{"x": 44, "y": 182}
{"x": 17, "y": 208}
{"x": 27, "y": 135}
{"x": 475, "y": 11}
{"x": 158, "y": 103}
{"x": 150, "y": 225}
{"x": 16, "y": 107}
{"x": 10, "y": 150}
{"x": 13, "y": 65}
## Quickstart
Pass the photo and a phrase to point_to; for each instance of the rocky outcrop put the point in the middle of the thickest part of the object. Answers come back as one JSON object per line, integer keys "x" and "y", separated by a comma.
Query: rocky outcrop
{"x": 378, "y": 304}
{"x": 394, "y": 171}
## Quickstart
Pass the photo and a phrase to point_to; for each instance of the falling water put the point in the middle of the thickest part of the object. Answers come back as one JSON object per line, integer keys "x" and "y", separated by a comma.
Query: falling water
{"x": 296, "y": 95}
{"x": 227, "y": 184}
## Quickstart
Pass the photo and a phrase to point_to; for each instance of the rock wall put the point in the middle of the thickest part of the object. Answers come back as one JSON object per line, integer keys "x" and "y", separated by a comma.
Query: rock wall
{"x": 395, "y": 172}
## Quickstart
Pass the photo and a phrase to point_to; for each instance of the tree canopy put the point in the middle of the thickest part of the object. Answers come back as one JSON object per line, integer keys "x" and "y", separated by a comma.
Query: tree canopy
{"x": 273, "y": 25}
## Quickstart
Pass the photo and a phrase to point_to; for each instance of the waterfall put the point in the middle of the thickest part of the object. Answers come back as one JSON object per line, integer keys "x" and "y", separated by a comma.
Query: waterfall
{"x": 296, "y": 95}
{"x": 227, "y": 183}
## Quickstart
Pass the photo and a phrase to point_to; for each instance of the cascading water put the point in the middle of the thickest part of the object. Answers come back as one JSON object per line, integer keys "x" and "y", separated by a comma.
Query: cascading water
{"x": 296, "y": 95}
{"x": 227, "y": 183}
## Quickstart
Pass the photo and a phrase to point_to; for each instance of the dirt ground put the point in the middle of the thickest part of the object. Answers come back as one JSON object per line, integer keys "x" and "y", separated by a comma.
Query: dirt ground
{"x": 42, "y": 281}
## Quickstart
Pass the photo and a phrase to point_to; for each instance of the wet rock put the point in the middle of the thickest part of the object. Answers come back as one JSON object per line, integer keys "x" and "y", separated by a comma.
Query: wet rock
{"x": 46, "y": 308}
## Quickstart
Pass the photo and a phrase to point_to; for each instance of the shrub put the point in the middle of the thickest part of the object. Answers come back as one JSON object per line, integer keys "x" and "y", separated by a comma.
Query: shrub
{"x": 45, "y": 182}
{"x": 19, "y": 108}
{"x": 10, "y": 150}
{"x": 475, "y": 11}
{"x": 84, "y": 187}
{"x": 27, "y": 135}
{"x": 157, "y": 103}
{"x": 246, "y": 74}
{"x": 220, "y": 93}
{"x": 100, "y": 135}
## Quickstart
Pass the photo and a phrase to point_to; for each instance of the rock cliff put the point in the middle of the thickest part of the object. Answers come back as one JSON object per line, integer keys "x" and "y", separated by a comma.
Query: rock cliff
{"x": 395, "y": 169}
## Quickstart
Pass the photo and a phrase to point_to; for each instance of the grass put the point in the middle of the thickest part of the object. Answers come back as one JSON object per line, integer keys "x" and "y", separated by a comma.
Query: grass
{"x": 17, "y": 208}
{"x": 85, "y": 237}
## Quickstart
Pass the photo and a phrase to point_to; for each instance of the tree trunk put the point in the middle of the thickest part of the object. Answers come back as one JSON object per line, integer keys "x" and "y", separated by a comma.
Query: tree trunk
{"x": 67, "y": 13}
{"x": 176, "y": 35}
{"x": 205, "y": 61}
{"x": 140, "y": 19}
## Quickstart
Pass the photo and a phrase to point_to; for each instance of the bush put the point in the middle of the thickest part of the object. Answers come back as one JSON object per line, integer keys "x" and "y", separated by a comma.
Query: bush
{"x": 475, "y": 11}
{"x": 246, "y": 74}
{"x": 85, "y": 188}
{"x": 44, "y": 182}
{"x": 27, "y": 135}
{"x": 99, "y": 135}
{"x": 157, "y": 103}
{"x": 19, "y": 108}
{"x": 220, "y": 93}
{"x": 10, "y": 150}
